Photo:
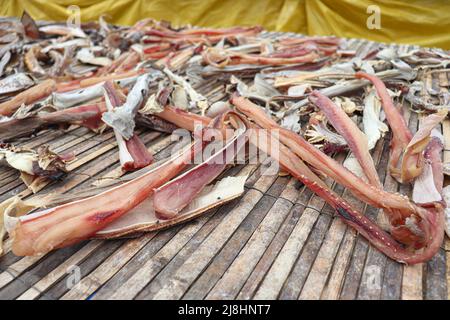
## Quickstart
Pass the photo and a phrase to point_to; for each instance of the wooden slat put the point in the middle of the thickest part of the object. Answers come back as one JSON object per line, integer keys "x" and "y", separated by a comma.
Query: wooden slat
{"x": 236, "y": 275}
{"x": 278, "y": 273}
{"x": 196, "y": 263}
{"x": 318, "y": 275}
{"x": 56, "y": 274}
{"x": 263, "y": 265}
{"x": 147, "y": 271}
{"x": 235, "y": 244}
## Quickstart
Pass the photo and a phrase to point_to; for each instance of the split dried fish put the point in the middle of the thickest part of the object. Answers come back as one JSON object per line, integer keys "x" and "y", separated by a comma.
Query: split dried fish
{"x": 122, "y": 118}
{"x": 15, "y": 82}
{"x": 132, "y": 152}
{"x": 430, "y": 220}
{"x": 374, "y": 128}
{"x": 42, "y": 164}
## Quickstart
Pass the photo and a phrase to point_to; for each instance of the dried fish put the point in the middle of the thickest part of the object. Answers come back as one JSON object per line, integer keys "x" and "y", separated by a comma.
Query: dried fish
{"x": 143, "y": 217}
{"x": 68, "y": 99}
{"x": 406, "y": 156}
{"x": 45, "y": 230}
{"x": 356, "y": 140}
{"x": 425, "y": 224}
{"x": 15, "y": 82}
{"x": 428, "y": 186}
{"x": 217, "y": 108}
{"x": 63, "y": 30}
{"x": 154, "y": 123}
{"x": 132, "y": 152}
{"x": 32, "y": 62}
{"x": 122, "y": 118}
{"x": 346, "y": 104}
{"x": 88, "y": 116}
{"x": 76, "y": 43}
{"x": 86, "y": 55}
{"x": 374, "y": 128}
{"x": 31, "y": 95}
{"x": 344, "y": 87}
{"x": 196, "y": 100}
{"x": 321, "y": 134}
{"x": 174, "y": 196}
{"x": 42, "y": 164}
{"x": 420, "y": 101}
{"x": 4, "y": 61}
{"x": 29, "y": 25}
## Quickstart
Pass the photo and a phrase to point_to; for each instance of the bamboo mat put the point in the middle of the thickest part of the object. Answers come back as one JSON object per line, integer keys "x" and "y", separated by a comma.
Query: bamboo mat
{"x": 277, "y": 241}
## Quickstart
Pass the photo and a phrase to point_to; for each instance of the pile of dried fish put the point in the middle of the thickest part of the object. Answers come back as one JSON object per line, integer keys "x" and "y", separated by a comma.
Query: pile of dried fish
{"x": 311, "y": 94}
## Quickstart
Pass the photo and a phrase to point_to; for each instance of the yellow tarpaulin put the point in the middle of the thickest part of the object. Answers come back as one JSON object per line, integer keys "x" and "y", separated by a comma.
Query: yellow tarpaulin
{"x": 423, "y": 22}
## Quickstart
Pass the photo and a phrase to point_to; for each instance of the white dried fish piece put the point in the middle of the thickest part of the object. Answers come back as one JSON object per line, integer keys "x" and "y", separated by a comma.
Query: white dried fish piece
{"x": 267, "y": 47}
{"x": 152, "y": 106}
{"x": 263, "y": 88}
{"x": 424, "y": 190}
{"x": 320, "y": 132}
{"x": 446, "y": 168}
{"x": 4, "y": 61}
{"x": 12, "y": 208}
{"x": 346, "y": 104}
{"x": 298, "y": 90}
{"x": 34, "y": 166}
{"x": 69, "y": 99}
{"x": 122, "y": 118}
{"x": 15, "y": 82}
{"x": 194, "y": 73}
{"x": 387, "y": 54}
{"x": 138, "y": 48}
{"x": 217, "y": 108}
{"x": 21, "y": 160}
{"x": 62, "y": 30}
{"x": 352, "y": 164}
{"x": 427, "y": 58}
{"x": 363, "y": 65}
{"x": 241, "y": 86}
{"x": 85, "y": 55}
{"x": 342, "y": 67}
{"x": 104, "y": 27}
{"x": 416, "y": 97}
{"x": 196, "y": 99}
{"x": 70, "y": 43}
{"x": 180, "y": 98}
{"x": 407, "y": 72}
{"x": 374, "y": 128}
{"x": 260, "y": 90}
{"x": 291, "y": 122}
